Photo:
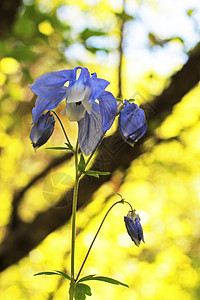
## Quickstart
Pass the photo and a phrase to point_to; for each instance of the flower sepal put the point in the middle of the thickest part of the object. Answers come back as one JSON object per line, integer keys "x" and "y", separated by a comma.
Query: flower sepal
{"x": 42, "y": 130}
{"x": 134, "y": 228}
{"x": 132, "y": 123}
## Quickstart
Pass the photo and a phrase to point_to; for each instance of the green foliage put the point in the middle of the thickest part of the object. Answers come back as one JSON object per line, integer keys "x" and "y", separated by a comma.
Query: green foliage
{"x": 88, "y": 32}
{"x": 82, "y": 164}
{"x": 58, "y": 148}
{"x": 102, "y": 278}
{"x": 59, "y": 273}
{"x": 69, "y": 146}
{"x": 95, "y": 173}
{"x": 81, "y": 290}
{"x": 125, "y": 17}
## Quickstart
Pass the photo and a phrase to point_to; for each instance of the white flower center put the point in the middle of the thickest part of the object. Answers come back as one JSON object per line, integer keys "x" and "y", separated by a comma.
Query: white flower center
{"x": 77, "y": 93}
{"x": 77, "y": 102}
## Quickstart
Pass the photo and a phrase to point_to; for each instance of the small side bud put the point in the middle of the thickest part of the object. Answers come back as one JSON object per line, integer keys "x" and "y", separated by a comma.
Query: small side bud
{"x": 134, "y": 228}
{"x": 42, "y": 130}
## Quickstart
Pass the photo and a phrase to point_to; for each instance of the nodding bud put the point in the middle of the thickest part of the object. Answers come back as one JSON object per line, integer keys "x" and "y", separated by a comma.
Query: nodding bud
{"x": 42, "y": 130}
{"x": 132, "y": 123}
{"x": 134, "y": 228}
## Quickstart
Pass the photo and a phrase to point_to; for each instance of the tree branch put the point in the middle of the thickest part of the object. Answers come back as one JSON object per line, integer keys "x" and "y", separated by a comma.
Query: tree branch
{"x": 8, "y": 12}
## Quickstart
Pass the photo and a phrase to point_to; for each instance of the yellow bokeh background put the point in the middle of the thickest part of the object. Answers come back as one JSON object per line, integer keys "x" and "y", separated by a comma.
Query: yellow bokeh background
{"x": 163, "y": 184}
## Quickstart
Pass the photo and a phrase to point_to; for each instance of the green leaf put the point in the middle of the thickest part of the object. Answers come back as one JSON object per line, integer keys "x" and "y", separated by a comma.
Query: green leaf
{"x": 95, "y": 173}
{"x": 81, "y": 290}
{"x": 95, "y": 49}
{"x": 109, "y": 280}
{"x": 87, "y": 277}
{"x": 81, "y": 165}
{"x": 69, "y": 146}
{"x": 103, "y": 278}
{"x": 90, "y": 173}
{"x": 59, "y": 273}
{"x": 87, "y": 33}
{"x": 46, "y": 273}
{"x": 58, "y": 148}
{"x": 125, "y": 17}
{"x": 63, "y": 274}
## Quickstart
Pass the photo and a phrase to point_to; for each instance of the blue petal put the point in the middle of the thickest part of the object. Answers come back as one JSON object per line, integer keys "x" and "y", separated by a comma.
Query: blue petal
{"x": 84, "y": 76}
{"x": 132, "y": 122}
{"x": 43, "y": 104}
{"x": 108, "y": 108}
{"x": 140, "y": 230}
{"x": 132, "y": 138}
{"x": 90, "y": 131}
{"x": 132, "y": 230}
{"x": 50, "y": 85}
{"x": 42, "y": 130}
{"x": 98, "y": 86}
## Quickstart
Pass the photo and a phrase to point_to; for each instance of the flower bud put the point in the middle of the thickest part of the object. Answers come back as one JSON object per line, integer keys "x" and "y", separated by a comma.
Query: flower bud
{"x": 132, "y": 123}
{"x": 134, "y": 228}
{"x": 42, "y": 130}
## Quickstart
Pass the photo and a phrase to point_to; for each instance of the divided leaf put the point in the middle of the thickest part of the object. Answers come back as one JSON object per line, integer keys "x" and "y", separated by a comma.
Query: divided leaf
{"x": 102, "y": 278}
{"x": 63, "y": 274}
{"x": 69, "y": 146}
{"x": 57, "y": 148}
{"x": 81, "y": 165}
{"x": 59, "y": 273}
{"x": 81, "y": 290}
{"x": 95, "y": 173}
{"x": 87, "y": 277}
{"x": 109, "y": 280}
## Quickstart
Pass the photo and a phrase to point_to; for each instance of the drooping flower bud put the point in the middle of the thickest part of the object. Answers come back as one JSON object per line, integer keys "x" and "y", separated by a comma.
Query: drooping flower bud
{"x": 132, "y": 122}
{"x": 42, "y": 130}
{"x": 134, "y": 228}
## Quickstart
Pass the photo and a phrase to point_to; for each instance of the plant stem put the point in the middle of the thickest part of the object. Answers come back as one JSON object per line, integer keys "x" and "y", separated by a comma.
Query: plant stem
{"x": 73, "y": 236}
{"x": 84, "y": 261}
{"x": 65, "y": 134}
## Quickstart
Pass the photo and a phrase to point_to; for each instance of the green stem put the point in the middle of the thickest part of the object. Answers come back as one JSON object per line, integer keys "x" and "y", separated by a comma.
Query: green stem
{"x": 73, "y": 237}
{"x": 84, "y": 261}
{"x": 65, "y": 134}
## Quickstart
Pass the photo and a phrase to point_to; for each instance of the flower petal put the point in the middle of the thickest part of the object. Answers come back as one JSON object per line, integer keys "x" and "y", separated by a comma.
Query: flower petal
{"x": 98, "y": 86}
{"x": 84, "y": 76}
{"x": 132, "y": 122}
{"x": 108, "y": 107}
{"x": 42, "y": 130}
{"x": 132, "y": 230}
{"x": 90, "y": 130}
{"x": 50, "y": 85}
{"x": 140, "y": 230}
{"x": 78, "y": 93}
{"x": 74, "y": 112}
{"x": 43, "y": 104}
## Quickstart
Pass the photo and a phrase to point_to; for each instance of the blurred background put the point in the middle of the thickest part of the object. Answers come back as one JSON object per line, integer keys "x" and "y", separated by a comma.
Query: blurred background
{"x": 149, "y": 50}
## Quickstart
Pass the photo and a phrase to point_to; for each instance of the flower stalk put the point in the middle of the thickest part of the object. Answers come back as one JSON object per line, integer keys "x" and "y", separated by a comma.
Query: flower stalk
{"x": 92, "y": 243}
{"x": 63, "y": 128}
{"x": 73, "y": 236}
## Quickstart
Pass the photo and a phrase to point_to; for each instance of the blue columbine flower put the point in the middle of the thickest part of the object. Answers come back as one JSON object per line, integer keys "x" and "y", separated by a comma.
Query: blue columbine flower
{"x": 134, "y": 228}
{"x": 42, "y": 130}
{"x": 87, "y": 102}
{"x": 132, "y": 122}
